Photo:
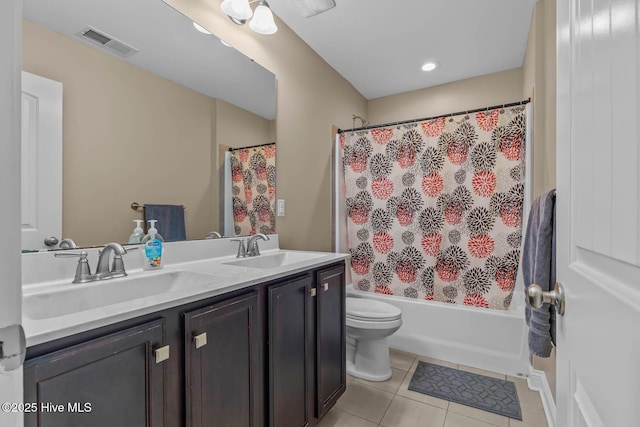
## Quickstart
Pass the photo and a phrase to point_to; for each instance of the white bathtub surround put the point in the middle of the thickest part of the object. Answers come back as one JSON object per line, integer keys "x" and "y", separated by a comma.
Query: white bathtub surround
{"x": 494, "y": 340}
{"x": 202, "y": 267}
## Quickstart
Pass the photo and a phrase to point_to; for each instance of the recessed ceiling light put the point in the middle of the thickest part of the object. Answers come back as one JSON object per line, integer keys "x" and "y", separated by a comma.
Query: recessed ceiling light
{"x": 201, "y": 29}
{"x": 430, "y": 66}
{"x": 225, "y": 43}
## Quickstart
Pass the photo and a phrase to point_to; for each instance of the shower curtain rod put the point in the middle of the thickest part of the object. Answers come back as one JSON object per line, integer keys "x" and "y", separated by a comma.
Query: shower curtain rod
{"x": 477, "y": 110}
{"x": 250, "y": 146}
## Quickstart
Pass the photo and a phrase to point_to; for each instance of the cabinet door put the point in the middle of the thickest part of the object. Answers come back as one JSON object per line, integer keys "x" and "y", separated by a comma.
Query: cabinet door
{"x": 114, "y": 380}
{"x": 330, "y": 339}
{"x": 223, "y": 364}
{"x": 290, "y": 353}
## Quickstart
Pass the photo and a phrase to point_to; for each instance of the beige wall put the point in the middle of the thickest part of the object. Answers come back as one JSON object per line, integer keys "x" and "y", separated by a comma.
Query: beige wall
{"x": 240, "y": 128}
{"x": 540, "y": 81}
{"x": 311, "y": 97}
{"x": 477, "y": 92}
{"x": 130, "y": 135}
{"x": 540, "y": 84}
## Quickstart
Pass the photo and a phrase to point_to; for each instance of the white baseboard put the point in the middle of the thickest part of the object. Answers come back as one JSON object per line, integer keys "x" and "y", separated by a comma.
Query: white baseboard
{"x": 538, "y": 381}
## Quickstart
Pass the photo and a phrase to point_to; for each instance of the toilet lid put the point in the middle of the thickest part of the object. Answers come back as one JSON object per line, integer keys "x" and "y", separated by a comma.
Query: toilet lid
{"x": 370, "y": 309}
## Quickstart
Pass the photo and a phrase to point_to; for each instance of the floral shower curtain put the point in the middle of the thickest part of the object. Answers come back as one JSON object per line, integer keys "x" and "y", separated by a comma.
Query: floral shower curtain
{"x": 253, "y": 173}
{"x": 435, "y": 207}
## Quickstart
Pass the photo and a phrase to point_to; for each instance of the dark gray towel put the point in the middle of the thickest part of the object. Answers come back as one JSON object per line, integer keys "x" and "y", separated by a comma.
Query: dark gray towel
{"x": 539, "y": 266}
{"x": 170, "y": 219}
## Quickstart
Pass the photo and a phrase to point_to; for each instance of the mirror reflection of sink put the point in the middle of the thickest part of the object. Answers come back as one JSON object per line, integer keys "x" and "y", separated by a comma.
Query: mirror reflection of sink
{"x": 275, "y": 260}
{"x": 97, "y": 294}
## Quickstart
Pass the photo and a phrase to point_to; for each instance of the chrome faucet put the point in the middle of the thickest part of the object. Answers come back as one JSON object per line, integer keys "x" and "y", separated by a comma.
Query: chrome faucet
{"x": 83, "y": 271}
{"x": 68, "y": 243}
{"x": 252, "y": 245}
{"x": 213, "y": 234}
{"x": 242, "y": 251}
{"x": 103, "y": 271}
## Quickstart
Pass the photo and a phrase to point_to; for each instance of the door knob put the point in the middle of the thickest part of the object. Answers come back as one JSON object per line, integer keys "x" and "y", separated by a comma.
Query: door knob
{"x": 12, "y": 347}
{"x": 51, "y": 241}
{"x": 556, "y": 297}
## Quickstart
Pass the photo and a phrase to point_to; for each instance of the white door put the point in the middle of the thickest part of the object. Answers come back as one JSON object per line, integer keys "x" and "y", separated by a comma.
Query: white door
{"x": 10, "y": 288}
{"x": 41, "y": 161}
{"x": 598, "y": 212}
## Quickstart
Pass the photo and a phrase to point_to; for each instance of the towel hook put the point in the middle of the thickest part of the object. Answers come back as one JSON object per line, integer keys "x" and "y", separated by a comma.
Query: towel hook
{"x": 556, "y": 297}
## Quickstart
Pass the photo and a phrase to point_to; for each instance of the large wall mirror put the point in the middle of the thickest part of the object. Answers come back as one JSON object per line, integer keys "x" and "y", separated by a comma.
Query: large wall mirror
{"x": 151, "y": 126}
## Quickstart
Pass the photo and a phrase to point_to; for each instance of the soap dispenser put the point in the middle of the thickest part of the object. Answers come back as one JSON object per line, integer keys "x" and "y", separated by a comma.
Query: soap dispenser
{"x": 138, "y": 234}
{"x": 152, "y": 253}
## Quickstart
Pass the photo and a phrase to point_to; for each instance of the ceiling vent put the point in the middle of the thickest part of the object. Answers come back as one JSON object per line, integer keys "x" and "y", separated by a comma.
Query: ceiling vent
{"x": 107, "y": 42}
{"x": 309, "y": 8}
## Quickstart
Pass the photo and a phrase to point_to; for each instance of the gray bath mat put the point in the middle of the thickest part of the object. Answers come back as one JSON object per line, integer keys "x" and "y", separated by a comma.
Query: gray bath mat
{"x": 466, "y": 388}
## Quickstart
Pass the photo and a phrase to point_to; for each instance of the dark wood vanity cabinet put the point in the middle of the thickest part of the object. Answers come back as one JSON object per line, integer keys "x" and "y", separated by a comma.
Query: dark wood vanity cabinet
{"x": 223, "y": 369}
{"x": 115, "y": 380}
{"x": 307, "y": 366}
{"x": 290, "y": 352}
{"x": 270, "y": 354}
{"x": 331, "y": 370}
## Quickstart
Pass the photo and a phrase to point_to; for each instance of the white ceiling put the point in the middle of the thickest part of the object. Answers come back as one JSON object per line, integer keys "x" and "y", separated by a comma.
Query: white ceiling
{"x": 377, "y": 45}
{"x": 380, "y": 45}
{"x": 169, "y": 46}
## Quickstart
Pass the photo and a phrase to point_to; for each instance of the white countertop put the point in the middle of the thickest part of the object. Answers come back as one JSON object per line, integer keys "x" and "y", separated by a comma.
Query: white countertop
{"x": 186, "y": 256}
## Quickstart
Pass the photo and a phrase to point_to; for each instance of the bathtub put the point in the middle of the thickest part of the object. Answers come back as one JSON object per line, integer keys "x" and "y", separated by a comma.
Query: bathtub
{"x": 495, "y": 340}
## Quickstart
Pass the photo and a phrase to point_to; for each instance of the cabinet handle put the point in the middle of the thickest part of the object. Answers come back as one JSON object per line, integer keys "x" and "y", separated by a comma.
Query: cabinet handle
{"x": 200, "y": 340}
{"x": 161, "y": 354}
{"x": 325, "y": 287}
{"x": 312, "y": 292}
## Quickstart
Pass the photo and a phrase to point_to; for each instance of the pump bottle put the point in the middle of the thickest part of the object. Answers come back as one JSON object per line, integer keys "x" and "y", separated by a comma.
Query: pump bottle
{"x": 138, "y": 234}
{"x": 152, "y": 253}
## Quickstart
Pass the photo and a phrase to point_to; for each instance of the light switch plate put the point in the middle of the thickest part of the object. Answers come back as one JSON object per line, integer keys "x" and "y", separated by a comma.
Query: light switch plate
{"x": 280, "y": 207}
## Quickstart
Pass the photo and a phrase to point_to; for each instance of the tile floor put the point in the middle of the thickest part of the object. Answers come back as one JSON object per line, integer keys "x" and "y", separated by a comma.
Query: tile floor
{"x": 392, "y": 404}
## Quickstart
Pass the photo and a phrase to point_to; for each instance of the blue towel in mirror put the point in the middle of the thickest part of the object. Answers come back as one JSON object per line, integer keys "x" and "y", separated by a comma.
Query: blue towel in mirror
{"x": 170, "y": 219}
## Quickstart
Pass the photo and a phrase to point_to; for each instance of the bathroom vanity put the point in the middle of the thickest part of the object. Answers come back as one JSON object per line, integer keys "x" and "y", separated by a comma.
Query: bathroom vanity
{"x": 268, "y": 350}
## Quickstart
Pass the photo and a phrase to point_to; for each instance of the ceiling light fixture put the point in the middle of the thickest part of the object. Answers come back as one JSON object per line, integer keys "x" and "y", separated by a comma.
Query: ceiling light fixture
{"x": 239, "y": 12}
{"x": 201, "y": 29}
{"x": 430, "y": 66}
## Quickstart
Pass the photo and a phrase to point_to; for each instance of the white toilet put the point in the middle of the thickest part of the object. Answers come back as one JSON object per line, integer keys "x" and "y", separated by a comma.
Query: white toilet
{"x": 369, "y": 323}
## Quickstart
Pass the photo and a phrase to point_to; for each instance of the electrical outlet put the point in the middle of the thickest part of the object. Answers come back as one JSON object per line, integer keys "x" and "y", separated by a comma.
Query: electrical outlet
{"x": 280, "y": 207}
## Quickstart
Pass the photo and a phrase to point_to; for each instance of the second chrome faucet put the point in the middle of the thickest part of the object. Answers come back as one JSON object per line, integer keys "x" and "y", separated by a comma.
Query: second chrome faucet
{"x": 251, "y": 248}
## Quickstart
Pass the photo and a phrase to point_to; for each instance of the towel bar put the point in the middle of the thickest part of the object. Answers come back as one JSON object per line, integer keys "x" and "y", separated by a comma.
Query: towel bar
{"x": 138, "y": 207}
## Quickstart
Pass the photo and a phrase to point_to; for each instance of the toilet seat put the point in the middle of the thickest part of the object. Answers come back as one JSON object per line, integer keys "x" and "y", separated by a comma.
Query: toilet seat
{"x": 370, "y": 310}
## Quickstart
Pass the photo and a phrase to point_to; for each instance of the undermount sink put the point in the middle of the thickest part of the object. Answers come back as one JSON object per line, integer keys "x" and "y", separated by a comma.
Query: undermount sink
{"x": 103, "y": 293}
{"x": 275, "y": 260}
